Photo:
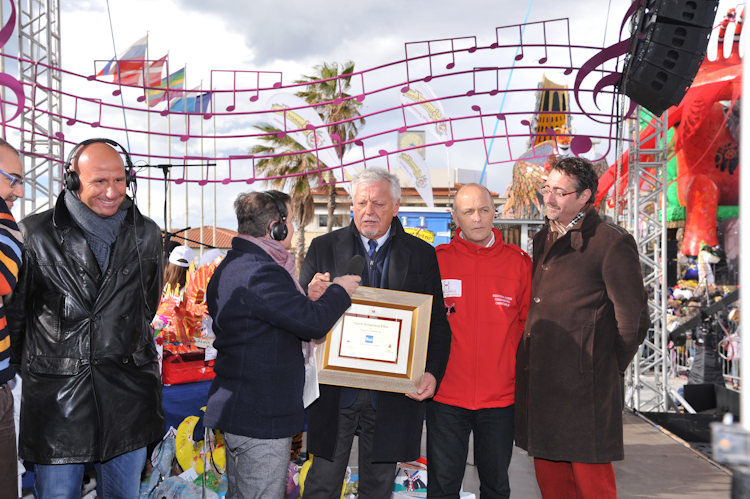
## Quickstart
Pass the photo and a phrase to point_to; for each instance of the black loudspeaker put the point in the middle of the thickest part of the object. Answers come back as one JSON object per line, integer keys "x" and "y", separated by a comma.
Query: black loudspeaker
{"x": 666, "y": 50}
{"x": 70, "y": 178}
{"x": 279, "y": 230}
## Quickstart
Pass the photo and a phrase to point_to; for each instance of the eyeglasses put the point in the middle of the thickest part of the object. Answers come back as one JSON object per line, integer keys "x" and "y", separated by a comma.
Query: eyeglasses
{"x": 12, "y": 179}
{"x": 557, "y": 192}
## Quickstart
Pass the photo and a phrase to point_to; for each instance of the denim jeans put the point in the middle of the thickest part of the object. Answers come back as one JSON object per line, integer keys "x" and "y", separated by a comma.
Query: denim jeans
{"x": 257, "y": 468}
{"x": 118, "y": 478}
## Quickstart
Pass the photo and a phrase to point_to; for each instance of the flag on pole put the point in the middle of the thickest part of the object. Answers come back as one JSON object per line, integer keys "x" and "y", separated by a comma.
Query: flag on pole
{"x": 129, "y": 58}
{"x": 176, "y": 81}
{"x": 425, "y": 105}
{"x": 196, "y": 104}
{"x": 148, "y": 75}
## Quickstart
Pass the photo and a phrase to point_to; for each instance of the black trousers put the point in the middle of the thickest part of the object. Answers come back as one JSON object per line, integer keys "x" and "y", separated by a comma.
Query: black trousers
{"x": 325, "y": 478}
{"x": 448, "y": 429}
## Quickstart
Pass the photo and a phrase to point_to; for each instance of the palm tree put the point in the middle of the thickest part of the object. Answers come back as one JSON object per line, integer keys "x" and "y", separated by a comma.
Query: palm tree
{"x": 328, "y": 88}
{"x": 288, "y": 167}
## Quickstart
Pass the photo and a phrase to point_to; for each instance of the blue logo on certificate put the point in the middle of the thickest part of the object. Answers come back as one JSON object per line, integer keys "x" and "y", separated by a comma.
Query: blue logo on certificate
{"x": 369, "y": 338}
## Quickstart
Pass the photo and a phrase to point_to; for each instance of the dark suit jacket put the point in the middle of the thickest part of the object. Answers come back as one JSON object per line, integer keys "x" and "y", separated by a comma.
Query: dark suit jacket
{"x": 412, "y": 267}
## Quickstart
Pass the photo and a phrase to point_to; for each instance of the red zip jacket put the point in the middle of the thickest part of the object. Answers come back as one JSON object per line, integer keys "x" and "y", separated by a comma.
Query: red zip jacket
{"x": 487, "y": 293}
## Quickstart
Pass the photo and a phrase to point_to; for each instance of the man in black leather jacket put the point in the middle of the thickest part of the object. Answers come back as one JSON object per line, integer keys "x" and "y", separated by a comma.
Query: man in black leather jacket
{"x": 88, "y": 288}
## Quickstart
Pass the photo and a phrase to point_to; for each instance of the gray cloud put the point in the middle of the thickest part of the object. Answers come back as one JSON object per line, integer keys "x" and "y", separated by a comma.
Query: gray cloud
{"x": 292, "y": 30}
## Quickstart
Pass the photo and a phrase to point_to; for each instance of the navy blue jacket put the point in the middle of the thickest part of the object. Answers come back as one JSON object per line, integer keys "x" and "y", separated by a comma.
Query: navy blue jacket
{"x": 260, "y": 319}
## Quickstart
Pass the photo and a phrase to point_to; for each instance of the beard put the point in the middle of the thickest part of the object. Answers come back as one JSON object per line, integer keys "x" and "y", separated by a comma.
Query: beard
{"x": 553, "y": 212}
{"x": 370, "y": 231}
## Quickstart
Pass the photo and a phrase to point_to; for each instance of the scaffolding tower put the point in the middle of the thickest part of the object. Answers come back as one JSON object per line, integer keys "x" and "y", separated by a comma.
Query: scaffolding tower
{"x": 647, "y": 386}
{"x": 41, "y": 125}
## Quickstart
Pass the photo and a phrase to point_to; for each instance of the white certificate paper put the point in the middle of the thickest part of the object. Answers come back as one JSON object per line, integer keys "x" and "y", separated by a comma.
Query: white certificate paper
{"x": 372, "y": 338}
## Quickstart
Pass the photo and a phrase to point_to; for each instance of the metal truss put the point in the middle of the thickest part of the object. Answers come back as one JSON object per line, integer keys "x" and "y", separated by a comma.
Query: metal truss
{"x": 41, "y": 125}
{"x": 647, "y": 379}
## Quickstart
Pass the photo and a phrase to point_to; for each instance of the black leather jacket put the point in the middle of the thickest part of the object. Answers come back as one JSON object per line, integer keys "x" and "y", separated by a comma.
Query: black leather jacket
{"x": 91, "y": 385}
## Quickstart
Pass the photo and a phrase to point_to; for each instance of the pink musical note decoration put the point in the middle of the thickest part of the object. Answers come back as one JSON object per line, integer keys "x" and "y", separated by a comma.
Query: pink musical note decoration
{"x": 519, "y": 56}
{"x": 94, "y": 123}
{"x": 448, "y": 63}
{"x": 7, "y": 80}
{"x": 433, "y": 51}
{"x": 186, "y": 136}
{"x": 543, "y": 59}
{"x": 360, "y": 96}
{"x": 580, "y": 144}
{"x": 451, "y": 141}
{"x": 403, "y": 115}
{"x": 256, "y": 96}
{"x": 477, "y": 72}
{"x": 232, "y": 106}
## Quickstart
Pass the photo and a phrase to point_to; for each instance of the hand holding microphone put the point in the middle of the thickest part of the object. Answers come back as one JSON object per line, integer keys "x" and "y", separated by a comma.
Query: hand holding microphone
{"x": 349, "y": 281}
{"x": 352, "y": 274}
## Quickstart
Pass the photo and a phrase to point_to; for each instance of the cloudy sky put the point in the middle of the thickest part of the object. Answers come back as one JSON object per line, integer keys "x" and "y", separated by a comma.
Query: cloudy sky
{"x": 292, "y": 36}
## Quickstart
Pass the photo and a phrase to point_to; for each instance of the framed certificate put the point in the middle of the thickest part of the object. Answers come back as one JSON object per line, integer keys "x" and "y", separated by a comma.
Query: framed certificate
{"x": 379, "y": 343}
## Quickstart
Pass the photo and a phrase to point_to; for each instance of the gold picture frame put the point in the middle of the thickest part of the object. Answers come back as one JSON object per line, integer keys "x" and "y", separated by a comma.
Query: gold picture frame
{"x": 380, "y": 342}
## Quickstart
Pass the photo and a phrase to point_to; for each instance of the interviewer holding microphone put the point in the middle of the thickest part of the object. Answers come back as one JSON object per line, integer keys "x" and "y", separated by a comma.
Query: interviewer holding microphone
{"x": 261, "y": 316}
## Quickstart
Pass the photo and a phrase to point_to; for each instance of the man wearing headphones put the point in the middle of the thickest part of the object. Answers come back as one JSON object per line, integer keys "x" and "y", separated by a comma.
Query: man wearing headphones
{"x": 88, "y": 288}
{"x": 261, "y": 319}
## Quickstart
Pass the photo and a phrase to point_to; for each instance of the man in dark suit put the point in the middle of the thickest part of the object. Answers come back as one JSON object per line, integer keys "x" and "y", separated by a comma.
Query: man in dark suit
{"x": 390, "y": 424}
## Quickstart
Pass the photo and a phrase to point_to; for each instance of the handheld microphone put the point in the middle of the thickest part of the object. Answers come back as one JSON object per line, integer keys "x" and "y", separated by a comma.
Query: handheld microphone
{"x": 355, "y": 266}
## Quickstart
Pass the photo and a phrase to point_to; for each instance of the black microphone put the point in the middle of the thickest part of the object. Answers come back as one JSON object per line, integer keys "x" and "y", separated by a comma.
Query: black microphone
{"x": 355, "y": 266}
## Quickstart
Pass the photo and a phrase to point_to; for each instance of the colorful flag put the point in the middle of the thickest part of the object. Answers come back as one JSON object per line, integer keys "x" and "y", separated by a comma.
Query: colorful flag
{"x": 197, "y": 104}
{"x": 147, "y": 75}
{"x": 136, "y": 52}
{"x": 176, "y": 81}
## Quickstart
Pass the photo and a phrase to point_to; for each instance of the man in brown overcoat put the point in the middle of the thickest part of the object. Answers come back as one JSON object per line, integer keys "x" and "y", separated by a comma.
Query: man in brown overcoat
{"x": 581, "y": 333}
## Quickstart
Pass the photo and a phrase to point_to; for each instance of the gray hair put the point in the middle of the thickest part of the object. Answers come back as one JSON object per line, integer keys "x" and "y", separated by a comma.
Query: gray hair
{"x": 376, "y": 174}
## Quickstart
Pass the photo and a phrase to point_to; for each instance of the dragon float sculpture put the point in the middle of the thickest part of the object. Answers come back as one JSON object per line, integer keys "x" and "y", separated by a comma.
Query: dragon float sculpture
{"x": 704, "y": 144}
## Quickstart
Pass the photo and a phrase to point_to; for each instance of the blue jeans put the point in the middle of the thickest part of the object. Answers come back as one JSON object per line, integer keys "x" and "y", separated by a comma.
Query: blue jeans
{"x": 118, "y": 478}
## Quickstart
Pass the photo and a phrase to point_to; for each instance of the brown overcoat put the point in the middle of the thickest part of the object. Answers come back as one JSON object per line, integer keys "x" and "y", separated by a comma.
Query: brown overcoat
{"x": 581, "y": 333}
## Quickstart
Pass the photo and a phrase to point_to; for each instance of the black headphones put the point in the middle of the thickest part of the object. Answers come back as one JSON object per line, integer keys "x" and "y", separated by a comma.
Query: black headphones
{"x": 72, "y": 182}
{"x": 279, "y": 230}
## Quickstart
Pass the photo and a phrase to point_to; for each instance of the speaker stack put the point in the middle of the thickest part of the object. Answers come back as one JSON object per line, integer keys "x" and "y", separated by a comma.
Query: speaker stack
{"x": 667, "y": 48}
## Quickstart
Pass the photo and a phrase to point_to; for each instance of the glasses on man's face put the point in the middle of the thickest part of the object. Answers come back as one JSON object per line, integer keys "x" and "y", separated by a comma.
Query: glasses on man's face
{"x": 12, "y": 179}
{"x": 557, "y": 192}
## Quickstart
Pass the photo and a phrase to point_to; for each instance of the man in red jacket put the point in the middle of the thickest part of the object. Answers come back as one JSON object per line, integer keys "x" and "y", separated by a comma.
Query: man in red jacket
{"x": 486, "y": 287}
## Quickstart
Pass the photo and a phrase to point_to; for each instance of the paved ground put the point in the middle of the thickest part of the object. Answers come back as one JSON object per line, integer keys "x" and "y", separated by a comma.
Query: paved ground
{"x": 656, "y": 466}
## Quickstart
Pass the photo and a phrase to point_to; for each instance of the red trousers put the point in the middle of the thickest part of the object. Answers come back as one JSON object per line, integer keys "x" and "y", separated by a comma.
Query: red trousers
{"x": 565, "y": 480}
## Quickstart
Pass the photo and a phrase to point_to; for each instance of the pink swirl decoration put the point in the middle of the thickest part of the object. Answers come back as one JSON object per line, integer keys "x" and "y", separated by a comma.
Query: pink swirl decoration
{"x": 7, "y": 80}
